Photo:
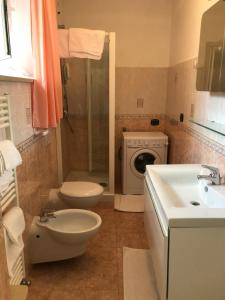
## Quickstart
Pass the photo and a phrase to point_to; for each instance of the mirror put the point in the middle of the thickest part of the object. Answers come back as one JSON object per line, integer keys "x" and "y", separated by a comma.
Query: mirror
{"x": 4, "y": 31}
{"x": 211, "y": 59}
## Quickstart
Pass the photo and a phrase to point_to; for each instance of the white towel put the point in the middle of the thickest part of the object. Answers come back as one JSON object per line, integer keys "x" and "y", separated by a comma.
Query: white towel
{"x": 63, "y": 43}
{"x": 13, "y": 251}
{"x": 85, "y": 43}
{"x": 13, "y": 225}
{"x": 5, "y": 181}
{"x": 10, "y": 154}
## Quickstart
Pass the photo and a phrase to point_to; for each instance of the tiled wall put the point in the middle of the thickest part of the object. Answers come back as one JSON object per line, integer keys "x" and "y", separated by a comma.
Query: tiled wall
{"x": 182, "y": 94}
{"x": 37, "y": 174}
{"x": 191, "y": 147}
{"x": 191, "y": 143}
{"x": 150, "y": 84}
{"x": 39, "y": 170}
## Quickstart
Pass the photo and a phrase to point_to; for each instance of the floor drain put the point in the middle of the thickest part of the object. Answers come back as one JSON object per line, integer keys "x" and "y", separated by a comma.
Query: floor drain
{"x": 195, "y": 203}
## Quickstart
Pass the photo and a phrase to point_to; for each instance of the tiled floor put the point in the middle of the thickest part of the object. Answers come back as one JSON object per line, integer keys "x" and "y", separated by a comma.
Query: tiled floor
{"x": 97, "y": 275}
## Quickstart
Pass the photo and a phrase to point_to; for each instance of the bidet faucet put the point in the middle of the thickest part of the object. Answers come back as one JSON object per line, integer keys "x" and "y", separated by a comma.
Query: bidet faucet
{"x": 214, "y": 176}
{"x": 46, "y": 214}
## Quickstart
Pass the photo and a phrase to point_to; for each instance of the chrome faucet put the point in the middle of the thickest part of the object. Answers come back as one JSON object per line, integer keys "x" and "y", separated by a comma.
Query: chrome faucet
{"x": 46, "y": 214}
{"x": 214, "y": 176}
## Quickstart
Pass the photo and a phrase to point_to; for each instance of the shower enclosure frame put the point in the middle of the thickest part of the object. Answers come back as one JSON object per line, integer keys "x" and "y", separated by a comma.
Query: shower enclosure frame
{"x": 112, "y": 60}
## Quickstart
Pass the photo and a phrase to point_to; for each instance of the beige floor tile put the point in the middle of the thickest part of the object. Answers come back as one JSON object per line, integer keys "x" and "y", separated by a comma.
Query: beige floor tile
{"x": 104, "y": 278}
{"x": 101, "y": 295}
{"x": 98, "y": 274}
{"x": 38, "y": 292}
{"x": 130, "y": 222}
{"x": 61, "y": 294}
{"x": 132, "y": 240}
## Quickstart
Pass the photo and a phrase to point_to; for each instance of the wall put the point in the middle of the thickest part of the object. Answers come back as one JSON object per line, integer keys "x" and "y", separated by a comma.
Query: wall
{"x": 190, "y": 143}
{"x": 38, "y": 172}
{"x": 142, "y": 27}
{"x": 185, "y": 31}
{"x": 142, "y": 46}
{"x": 142, "y": 55}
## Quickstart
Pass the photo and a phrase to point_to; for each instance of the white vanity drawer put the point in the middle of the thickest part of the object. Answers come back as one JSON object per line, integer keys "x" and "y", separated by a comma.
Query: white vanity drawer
{"x": 158, "y": 243}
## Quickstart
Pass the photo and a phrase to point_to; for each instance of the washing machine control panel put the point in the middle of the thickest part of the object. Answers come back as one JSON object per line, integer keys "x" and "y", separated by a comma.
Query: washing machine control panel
{"x": 144, "y": 143}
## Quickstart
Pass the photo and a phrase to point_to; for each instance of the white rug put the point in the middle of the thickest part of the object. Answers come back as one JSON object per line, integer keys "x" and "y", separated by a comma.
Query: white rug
{"x": 138, "y": 276}
{"x": 129, "y": 203}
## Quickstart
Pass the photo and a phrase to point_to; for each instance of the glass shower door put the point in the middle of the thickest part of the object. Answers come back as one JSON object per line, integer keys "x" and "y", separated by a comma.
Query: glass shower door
{"x": 98, "y": 115}
{"x": 85, "y": 127}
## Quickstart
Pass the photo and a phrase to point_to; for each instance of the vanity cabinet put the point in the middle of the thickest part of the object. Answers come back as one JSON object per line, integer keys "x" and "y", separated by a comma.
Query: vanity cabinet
{"x": 188, "y": 262}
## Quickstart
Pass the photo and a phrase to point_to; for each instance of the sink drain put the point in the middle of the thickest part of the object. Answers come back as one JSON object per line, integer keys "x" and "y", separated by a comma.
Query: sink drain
{"x": 195, "y": 203}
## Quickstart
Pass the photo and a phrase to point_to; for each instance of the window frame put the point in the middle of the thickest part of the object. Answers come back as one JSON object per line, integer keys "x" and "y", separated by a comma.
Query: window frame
{"x": 5, "y": 26}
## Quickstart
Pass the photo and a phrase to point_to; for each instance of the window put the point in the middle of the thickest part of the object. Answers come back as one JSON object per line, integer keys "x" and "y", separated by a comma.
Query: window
{"x": 4, "y": 31}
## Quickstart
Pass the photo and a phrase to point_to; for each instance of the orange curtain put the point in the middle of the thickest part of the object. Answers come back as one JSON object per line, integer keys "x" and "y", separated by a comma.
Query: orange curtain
{"x": 47, "y": 86}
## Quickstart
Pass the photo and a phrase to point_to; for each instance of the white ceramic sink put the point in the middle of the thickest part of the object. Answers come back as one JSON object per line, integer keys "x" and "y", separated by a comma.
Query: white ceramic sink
{"x": 214, "y": 196}
{"x": 180, "y": 194}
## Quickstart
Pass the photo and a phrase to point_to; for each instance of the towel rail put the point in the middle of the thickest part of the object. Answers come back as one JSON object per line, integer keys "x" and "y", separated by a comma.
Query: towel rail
{"x": 4, "y": 125}
{"x": 4, "y": 111}
{"x": 7, "y": 201}
{"x": 17, "y": 271}
{"x": 10, "y": 196}
{"x": 4, "y": 118}
{"x": 7, "y": 197}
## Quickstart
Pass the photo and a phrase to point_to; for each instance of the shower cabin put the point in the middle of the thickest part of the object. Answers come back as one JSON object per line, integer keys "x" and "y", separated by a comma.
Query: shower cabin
{"x": 86, "y": 135}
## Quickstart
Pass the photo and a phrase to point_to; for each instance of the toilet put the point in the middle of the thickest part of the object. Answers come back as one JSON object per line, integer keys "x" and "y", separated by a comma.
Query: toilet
{"x": 76, "y": 194}
{"x": 62, "y": 237}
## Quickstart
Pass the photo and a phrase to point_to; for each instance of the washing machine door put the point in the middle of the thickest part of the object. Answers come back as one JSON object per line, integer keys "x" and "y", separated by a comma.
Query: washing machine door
{"x": 141, "y": 159}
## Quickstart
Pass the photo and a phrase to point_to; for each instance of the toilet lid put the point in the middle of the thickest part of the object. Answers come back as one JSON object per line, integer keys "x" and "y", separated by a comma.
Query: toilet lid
{"x": 81, "y": 189}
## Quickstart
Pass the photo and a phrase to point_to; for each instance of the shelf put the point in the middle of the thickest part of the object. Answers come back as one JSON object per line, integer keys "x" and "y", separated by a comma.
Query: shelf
{"x": 16, "y": 78}
{"x": 211, "y": 125}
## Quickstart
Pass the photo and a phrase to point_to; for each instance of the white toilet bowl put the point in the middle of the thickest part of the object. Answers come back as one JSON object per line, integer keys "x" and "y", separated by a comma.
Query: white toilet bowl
{"x": 64, "y": 236}
{"x": 75, "y": 194}
{"x": 81, "y": 194}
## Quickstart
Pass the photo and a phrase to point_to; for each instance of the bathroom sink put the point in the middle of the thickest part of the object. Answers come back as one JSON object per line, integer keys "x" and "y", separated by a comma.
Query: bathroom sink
{"x": 180, "y": 196}
{"x": 214, "y": 196}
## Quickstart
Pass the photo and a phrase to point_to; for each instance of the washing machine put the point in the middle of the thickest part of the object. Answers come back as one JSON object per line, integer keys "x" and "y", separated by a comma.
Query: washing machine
{"x": 138, "y": 150}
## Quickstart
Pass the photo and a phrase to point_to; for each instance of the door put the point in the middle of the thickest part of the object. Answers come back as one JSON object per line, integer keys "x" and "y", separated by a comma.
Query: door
{"x": 141, "y": 159}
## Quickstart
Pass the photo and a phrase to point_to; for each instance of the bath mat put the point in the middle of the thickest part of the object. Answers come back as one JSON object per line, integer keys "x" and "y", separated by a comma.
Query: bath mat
{"x": 129, "y": 203}
{"x": 138, "y": 276}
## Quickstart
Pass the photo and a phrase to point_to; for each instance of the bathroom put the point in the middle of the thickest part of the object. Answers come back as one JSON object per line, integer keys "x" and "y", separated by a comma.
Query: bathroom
{"x": 148, "y": 80}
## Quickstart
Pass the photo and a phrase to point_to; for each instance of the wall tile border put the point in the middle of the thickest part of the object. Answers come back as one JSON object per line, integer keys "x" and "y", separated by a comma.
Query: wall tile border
{"x": 140, "y": 116}
{"x": 23, "y": 146}
{"x": 201, "y": 137}
{"x": 215, "y": 146}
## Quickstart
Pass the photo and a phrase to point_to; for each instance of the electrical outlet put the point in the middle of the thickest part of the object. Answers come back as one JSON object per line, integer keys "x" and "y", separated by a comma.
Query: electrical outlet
{"x": 140, "y": 102}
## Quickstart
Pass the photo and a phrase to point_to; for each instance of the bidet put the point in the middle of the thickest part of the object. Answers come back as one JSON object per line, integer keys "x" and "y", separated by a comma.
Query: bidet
{"x": 64, "y": 236}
